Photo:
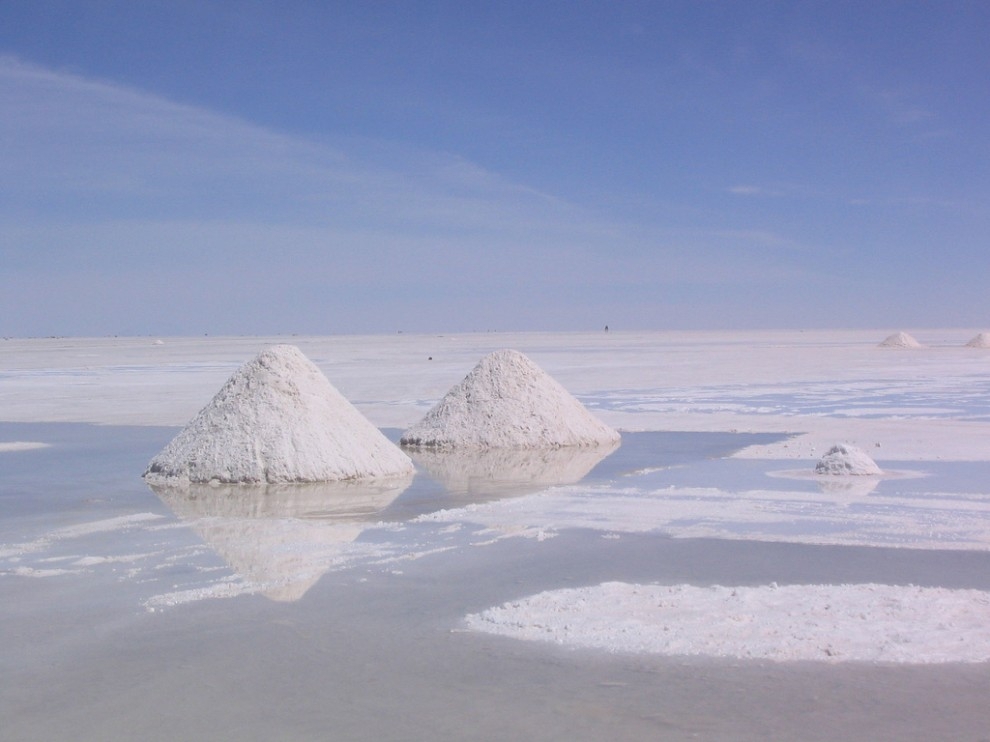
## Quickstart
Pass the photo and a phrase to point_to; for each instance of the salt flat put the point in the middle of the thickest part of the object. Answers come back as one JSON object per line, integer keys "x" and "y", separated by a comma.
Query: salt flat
{"x": 110, "y": 586}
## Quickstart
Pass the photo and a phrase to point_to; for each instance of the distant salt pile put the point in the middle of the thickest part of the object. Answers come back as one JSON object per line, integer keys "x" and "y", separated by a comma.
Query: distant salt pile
{"x": 900, "y": 340}
{"x": 508, "y": 401}
{"x": 842, "y": 460}
{"x": 278, "y": 419}
{"x": 980, "y": 341}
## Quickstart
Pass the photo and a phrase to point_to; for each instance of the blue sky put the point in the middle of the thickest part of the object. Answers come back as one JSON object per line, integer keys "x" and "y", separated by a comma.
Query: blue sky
{"x": 339, "y": 167}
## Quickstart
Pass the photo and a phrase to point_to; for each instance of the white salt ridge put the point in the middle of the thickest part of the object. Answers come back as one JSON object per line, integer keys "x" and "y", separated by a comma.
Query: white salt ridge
{"x": 845, "y": 460}
{"x": 900, "y": 340}
{"x": 278, "y": 419}
{"x": 507, "y": 401}
{"x": 7, "y": 446}
{"x": 826, "y": 623}
{"x": 980, "y": 341}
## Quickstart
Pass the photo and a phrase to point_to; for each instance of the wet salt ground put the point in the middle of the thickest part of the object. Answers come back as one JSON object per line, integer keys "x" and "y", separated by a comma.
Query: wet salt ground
{"x": 926, "y": 397}
{"x": 373, "y": 649}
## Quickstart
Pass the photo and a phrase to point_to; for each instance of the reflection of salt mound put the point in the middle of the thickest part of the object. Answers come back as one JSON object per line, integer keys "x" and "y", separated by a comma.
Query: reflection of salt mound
{"x": 843, "y": 459}
{"x": 281, "y": 538}
{"x": 900, "y": 340}
{"x": 847, "y": 488}
{"x": 309, "y": 500}
{"x": 508, "y": 401}
{"x": 497, "y": 472}
{"x": 980, "y": 341}
{"x": 278, "y": 419}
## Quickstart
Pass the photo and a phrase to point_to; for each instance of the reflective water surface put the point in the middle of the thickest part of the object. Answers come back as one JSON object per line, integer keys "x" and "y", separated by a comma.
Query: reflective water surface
{"x": 343, "y": 608}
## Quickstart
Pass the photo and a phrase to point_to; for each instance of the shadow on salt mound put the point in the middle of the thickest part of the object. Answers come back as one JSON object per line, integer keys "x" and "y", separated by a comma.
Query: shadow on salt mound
{"x": 900, "y": 340}
{"x": 507, "y": 401}
{"x": 278, "y": 419}
{"x": 280, "y": 538}
{"x": 492, "y": 473}
{"x": 980, "y": 341}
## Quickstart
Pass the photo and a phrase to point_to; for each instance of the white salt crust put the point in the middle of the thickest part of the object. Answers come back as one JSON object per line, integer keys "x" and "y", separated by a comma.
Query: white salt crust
{"x": 845, "y": 460}
{"x": 278, "y": 419}
{"x": 825, "y": 623}
{"x": 507, "y": 401}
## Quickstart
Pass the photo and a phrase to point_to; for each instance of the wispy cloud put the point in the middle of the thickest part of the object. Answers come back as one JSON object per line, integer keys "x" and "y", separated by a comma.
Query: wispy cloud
{"x": 79, "y": 149}
{"x": 113, "y": 188}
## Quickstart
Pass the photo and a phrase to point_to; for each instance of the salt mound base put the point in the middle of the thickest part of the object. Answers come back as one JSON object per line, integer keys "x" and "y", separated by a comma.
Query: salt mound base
{"x": 278, "y": 419}
{"x": 900, "y": 340}
{"x": 980, "y": 341}
{"x": 843, "y": 459}
{"x": 507, "y": 401}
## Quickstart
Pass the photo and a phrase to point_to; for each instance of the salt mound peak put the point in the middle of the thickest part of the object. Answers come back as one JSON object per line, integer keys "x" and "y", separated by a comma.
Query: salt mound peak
{"x": 507, "y": 401}
{"x": 900, "y": 340}
{"x": 278, "y": 419}
{"x": 980, "y": 341}
{"x": 843, "y": 459}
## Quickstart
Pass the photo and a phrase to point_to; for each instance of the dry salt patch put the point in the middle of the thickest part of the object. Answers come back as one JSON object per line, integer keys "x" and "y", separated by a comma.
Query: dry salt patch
{"x": 825, "y": 623}
{"x": 845, "y": 460}
{"x": 900, "y": 340}
{"x": 980, "y": 341}
{"x": 6, "y": 446}
{"x": 507, "y": 401}
{"x": 278, "y": 419}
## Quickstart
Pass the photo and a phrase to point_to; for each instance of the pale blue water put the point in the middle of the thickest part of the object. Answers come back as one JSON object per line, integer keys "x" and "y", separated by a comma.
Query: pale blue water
{"x": 372, "y": 650}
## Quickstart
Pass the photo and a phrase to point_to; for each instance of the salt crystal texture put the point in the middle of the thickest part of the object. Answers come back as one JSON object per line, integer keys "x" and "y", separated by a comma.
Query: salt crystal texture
{"x": 900, "y": 340}
{"x": 843, "y": 459}
{"x": 278, "y": 419}
{"x": 508, "y": 401}
{"x": 980, "y": 341}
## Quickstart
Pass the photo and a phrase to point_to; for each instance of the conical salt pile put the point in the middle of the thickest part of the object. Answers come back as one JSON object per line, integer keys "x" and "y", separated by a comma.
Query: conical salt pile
{"x": 980, "y": 341}
{"x": 900, "y": 340}
{"x": 508, "y": 401}
{"x": 278, "y": 419}
{"x": 843, "y": 459}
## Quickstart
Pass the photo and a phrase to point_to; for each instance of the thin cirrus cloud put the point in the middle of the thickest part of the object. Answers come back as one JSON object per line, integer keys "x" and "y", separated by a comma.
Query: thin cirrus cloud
{"x": 111, "y": 152}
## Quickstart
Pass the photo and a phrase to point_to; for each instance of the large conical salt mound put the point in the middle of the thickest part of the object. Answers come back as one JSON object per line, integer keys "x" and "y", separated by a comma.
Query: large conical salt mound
{"x": 508, "y": 401}
{"x": 900, "y": 340}
{"x": 980, "y": 341}
{"x": 278, "y": 419}
{"x": 844, "y": 460}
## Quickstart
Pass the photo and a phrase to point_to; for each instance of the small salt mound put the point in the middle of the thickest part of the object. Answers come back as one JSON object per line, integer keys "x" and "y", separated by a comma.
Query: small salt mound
{"x": 508, "y": 401}
{"x": 847, "y": 460}
{"x": 980, "y": 341}
{"x": 900, "y": 340}
{"x": 278, "y": 419}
